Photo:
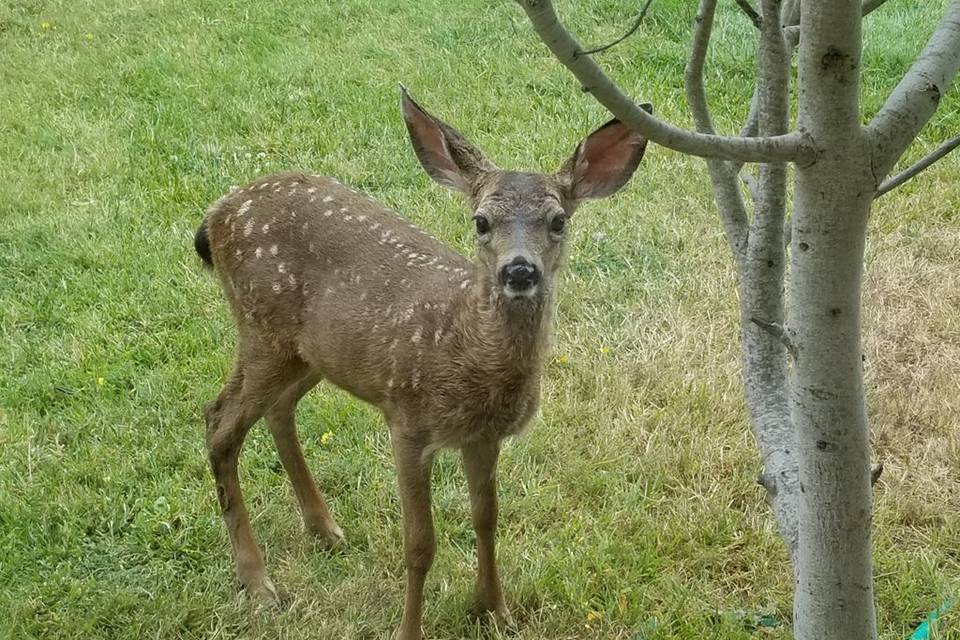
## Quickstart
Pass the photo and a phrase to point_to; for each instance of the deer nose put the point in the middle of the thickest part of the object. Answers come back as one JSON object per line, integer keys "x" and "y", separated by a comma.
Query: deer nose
{"x": 519, "y": 274}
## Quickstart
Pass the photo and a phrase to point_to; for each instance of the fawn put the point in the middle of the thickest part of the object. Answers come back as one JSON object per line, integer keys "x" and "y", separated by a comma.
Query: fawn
{"x": 325, "y": 282}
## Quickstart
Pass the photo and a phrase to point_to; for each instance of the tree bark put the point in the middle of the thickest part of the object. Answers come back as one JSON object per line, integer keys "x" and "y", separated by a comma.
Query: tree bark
{"x": 761, "y": 292}
{"x": 834, "y": 594}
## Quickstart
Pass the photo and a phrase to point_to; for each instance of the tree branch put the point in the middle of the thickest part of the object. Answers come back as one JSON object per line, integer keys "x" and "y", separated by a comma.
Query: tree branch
{"x": 869, "y": 6}
{"x": 636, "y": 25}
{"x": 915, "y": 99}
{"x": 892, "y": 183}
{"x": 723, "y": 175}
{"x": 789, "y": 147}
{"x": 778, "y": 332}
{"x": 749, "y": 11}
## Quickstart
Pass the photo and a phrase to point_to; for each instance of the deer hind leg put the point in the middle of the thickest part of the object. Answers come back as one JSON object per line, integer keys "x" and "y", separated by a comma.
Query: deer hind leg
{"x": 480, "y": 465}
{"x": 253, "y": 387}
{"x": 281, "y": 421}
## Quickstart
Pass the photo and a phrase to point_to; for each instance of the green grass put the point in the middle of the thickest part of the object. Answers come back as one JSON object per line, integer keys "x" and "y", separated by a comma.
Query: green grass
{"x": 633, "y": 497}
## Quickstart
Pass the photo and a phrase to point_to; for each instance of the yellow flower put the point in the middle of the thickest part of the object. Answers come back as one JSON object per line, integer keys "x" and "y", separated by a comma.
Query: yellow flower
{"x": 89, "y": 36}
{"x": 605, "y": 350}
{"x": 563, "y": 360}
{"x": 44, "y": 25}
{"x": 593, "y": 616}
{"x": 325, "y": 438}
{"x": 100, "y": 382}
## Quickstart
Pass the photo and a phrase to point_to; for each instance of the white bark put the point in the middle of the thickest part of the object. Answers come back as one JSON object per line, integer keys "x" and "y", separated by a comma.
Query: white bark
{"x": 917, "y": 96}
{"x": 764, "y": 355}
{"x": 834, "y": 593}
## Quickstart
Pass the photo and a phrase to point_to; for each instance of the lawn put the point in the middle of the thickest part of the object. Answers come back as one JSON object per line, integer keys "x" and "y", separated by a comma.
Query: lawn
{"x": 629, "y": 511}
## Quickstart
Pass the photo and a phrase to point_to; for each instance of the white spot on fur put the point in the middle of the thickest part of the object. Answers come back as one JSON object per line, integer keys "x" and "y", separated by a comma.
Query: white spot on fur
{"x": 363, "y": 296}
{"x": 259, "y": 252}
{"x": 274, "y": 250}
{"x": 417, "y": 335}
{"x": 244, "y": 207}
{"x": 248, "y": 227}
{"x": 361, "y": 218}
{"x": 238, "y": 253}
{"x": 293, "y": 281}
{"x": 276, "y": 287}
{"x": 328, "y": 198}
{"x": 465, "y": 284}
{"x": 437, "y": 335}
{"x": 282, "y": 267}
{"x": 266, "y": 228}
{"x": 347, "y": 218}
{"x": 313, "y": 198}
{"x": 276, "y": 184}
{"x": 374, "y": 227}
{"x": 306, "y": 225}
{"x": 328, "y": 213}
{"x": 312, "y": 190}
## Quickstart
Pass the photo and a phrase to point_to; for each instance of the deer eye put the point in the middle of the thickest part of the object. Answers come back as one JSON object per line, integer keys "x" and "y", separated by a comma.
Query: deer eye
{"x": 558, "y": 224}
{"x": 483, "y": 225}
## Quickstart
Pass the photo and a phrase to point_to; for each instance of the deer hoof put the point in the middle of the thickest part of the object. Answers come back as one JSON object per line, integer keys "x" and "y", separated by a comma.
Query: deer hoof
{"x": 329, "y": 534}
{"x": 263, "y": 593}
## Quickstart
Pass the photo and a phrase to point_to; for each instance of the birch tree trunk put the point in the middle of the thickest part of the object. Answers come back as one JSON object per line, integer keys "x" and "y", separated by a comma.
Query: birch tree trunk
{"x": 832, "y": 196}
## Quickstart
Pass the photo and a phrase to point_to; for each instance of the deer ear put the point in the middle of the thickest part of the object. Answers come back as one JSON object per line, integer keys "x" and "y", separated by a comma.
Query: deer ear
{"x": 444, "y": 153}
{"x": 604, "y": 161}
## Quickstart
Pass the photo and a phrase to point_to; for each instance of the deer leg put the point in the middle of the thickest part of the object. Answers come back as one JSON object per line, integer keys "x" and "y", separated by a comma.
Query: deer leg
{"x": 280, "y": 419}
{"x": 419, "y": 542}
{"x": 480, "y": 465}
{"x": 244, "y": 399}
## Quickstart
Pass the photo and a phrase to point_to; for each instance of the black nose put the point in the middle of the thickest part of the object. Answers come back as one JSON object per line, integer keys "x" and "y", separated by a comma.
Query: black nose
{"x": 519, "y": 274}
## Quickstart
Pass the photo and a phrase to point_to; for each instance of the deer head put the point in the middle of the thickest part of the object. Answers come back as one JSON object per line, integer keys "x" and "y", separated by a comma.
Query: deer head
{"x": 522, "y": 218}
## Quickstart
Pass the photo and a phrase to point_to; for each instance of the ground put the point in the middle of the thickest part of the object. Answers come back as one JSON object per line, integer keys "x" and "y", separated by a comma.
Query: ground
{"x": 630, "y": 510}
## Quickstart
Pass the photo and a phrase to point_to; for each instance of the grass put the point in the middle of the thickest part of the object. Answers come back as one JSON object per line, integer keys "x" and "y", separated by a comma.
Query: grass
{"x": 629, "y": 512}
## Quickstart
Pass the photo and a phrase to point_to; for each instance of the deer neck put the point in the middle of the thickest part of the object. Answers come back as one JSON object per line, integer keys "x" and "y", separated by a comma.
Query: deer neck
{"x": 506, "y": 338}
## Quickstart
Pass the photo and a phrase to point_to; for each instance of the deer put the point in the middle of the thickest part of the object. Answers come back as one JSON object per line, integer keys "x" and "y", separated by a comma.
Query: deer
{"x": 326, "y": 283}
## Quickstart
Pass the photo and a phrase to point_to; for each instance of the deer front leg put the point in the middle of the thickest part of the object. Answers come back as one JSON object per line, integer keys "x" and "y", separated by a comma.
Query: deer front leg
{"x": 480, "y": 465}
{"x": 419, "y": 542}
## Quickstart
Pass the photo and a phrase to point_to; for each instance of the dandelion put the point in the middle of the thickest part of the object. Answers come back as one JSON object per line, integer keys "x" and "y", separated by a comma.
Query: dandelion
{"x": 89, "y": 36}
{"x": 326, "y": 437}
{"x": 562, "y": 359}
{"x": 100, "y": 382}
{"x": 605, "y": 350}
{"x": 45, "y": 25}
{"x": 593, "y": 616}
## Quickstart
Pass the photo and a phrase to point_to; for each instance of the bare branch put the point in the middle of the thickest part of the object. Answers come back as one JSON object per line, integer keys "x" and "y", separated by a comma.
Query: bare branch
{"x": 723, "y": 175}
{"x": 869, "y": 6}
{"x": 892, "y": 183}
{"x": 791, "y": 19}
{"x": 915, "y": 99}
{"x": 789, "y": 147}
{"x": 749, "y": 11}
{"x": 778, "y": 332}
{"x": 636, "y": 25}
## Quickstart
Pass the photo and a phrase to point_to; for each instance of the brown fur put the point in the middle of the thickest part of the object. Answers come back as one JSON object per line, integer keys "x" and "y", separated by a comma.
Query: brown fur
{"x": 326, "y": 283}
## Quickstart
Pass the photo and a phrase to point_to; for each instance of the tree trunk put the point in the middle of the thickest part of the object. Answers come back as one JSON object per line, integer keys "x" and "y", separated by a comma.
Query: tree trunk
{"x": 834, "y": 595}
